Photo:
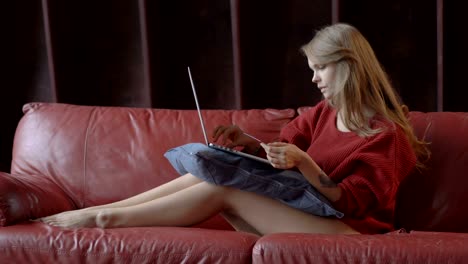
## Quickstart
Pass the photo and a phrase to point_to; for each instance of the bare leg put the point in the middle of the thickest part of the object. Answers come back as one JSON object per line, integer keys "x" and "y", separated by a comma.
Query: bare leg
{"x": 173, "y": 186}
{"x": 201, "y": 201}
{"x": 270, "y": 216}
{"x": 186, "y": 207}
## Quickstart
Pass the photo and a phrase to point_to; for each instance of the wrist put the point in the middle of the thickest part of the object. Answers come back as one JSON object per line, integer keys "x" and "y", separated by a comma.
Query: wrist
{"x": 307, "y": 163}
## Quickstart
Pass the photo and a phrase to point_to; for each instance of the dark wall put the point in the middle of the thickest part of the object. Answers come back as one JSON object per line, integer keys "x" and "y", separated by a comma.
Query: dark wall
{"x": 455, "y": 57}
{"x": 404, "y": 36}
{"x": 243, "y": 54}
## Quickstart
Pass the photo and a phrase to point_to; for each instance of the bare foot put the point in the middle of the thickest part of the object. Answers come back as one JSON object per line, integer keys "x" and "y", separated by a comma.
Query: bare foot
{"x": 73, "y": 219}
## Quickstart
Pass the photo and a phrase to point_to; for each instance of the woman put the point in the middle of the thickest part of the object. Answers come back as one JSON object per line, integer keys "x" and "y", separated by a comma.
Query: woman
{"x": 353, "y": 149}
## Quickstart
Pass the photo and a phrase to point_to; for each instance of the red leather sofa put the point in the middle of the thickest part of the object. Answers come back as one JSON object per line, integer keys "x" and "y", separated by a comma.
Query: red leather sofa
{"x": 68, "y": 156}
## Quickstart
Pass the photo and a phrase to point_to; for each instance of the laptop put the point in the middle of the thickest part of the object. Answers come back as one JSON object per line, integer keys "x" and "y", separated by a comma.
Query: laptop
{"x": 216, "y": 146}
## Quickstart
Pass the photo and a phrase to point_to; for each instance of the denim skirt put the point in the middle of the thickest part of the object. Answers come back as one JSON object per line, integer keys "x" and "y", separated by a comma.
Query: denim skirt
{"x": 221, "y": 168}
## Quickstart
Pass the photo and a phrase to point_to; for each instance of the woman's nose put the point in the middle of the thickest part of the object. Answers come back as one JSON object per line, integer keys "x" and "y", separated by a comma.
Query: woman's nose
{"x": 315, "y": 78}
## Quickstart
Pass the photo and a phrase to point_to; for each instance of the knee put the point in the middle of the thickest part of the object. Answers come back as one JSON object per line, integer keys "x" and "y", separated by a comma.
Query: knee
{"x": 228, "y": 195}
{"x": 192, "y": 179}
{"x": 225, "y": 191}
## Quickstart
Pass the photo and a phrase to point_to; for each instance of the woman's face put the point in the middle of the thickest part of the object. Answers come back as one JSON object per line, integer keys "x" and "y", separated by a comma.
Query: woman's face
{"x": 324, "y": 77}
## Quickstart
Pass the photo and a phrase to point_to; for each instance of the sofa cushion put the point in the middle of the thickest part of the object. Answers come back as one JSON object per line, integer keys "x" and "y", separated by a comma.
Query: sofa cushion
{"x": 39, "y": 243}
{"x": 395, "y": 247}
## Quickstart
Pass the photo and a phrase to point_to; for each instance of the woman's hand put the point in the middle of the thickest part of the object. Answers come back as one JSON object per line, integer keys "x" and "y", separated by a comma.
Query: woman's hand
{"x": 232, "y": 136}
{"x": 284, "y": 155}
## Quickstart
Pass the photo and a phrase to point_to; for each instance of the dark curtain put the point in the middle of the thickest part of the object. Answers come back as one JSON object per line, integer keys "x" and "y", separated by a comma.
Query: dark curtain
{"x": 242, "y": 53}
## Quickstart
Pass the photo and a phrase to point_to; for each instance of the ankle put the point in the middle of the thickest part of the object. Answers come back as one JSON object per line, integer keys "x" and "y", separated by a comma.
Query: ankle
{"x": 104, "y": 219}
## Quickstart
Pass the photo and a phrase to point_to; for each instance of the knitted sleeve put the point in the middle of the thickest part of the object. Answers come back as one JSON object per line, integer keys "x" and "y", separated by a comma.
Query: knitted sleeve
{"x": 377, "y": 170}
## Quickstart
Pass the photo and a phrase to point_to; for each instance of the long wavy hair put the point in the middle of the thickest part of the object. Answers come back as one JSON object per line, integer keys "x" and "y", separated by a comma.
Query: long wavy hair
{"x": 361, "y": 83}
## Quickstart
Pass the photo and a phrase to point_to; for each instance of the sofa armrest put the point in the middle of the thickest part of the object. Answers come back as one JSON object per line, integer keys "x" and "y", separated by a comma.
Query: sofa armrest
{"x": 29, "y": 197}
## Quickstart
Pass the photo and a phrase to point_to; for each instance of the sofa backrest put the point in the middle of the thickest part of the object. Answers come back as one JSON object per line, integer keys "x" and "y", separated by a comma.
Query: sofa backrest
{"x": 435, "y": 198}
{"x": 103, "y": 154}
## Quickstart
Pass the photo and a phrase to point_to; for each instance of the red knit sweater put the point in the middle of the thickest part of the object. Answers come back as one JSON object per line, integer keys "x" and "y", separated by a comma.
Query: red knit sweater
{"x": 367, "y": 169}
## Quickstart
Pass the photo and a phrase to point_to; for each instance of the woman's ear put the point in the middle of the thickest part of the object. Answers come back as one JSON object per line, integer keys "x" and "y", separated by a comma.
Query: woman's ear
{"x": 405, "y": 109}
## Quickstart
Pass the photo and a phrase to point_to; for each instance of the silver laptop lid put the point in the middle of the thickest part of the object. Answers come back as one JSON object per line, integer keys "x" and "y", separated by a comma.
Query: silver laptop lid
{"x": 198, "y": 106}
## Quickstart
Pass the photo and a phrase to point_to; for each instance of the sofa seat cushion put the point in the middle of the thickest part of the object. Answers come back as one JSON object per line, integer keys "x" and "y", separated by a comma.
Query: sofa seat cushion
{"x": 395, "y": 247}
{"x": 39, "y": 243}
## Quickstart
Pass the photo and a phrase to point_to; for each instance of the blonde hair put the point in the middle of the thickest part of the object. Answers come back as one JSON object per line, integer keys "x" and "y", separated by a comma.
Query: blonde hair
{"x": 361, "y": 83}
